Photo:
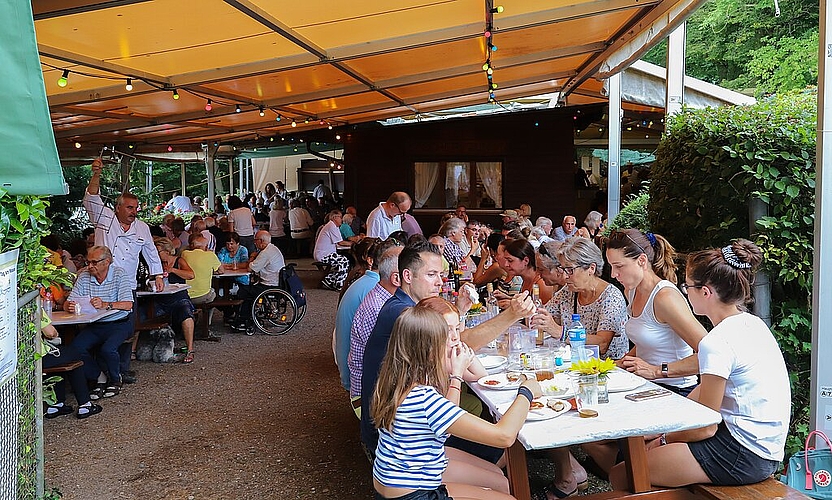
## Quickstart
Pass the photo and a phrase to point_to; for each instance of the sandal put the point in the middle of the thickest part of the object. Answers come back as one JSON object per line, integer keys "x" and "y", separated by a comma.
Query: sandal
{"x": 111, "y": 391}
{"x": 97, "y": 393}
{"x": 189, "y": 358}
{"x": 54, "y": 411}
{"x": 92, "y": 409}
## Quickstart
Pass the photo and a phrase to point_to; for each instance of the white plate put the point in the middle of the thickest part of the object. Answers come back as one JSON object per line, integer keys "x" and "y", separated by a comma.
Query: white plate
{"x": 490, "y": 361}
{"x": 622, "y": 381}
{"x": 498, "y": 381}
{"x": 544, "y": 413}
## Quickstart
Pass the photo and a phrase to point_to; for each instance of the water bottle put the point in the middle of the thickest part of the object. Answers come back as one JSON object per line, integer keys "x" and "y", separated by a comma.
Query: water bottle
{"x": 537, "y": 305}
{"x": 47, "y": 302}
{"x": 577, "y": 339}
{"x": 491, "y": 302}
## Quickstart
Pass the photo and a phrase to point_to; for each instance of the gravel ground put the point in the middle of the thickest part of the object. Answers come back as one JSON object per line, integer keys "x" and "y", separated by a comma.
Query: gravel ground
{"x": 253, "y": 417}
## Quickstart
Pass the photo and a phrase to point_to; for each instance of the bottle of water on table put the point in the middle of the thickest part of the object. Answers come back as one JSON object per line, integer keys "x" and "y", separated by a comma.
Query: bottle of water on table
{"x": 577, "y": 339}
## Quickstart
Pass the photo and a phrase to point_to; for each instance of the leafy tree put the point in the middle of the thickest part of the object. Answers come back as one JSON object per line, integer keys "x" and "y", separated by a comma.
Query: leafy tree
{"x": 746, "y": 47}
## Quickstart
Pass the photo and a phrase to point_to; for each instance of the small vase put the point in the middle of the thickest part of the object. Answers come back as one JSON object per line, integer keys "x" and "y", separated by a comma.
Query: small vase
{"x": 603, "y": 390}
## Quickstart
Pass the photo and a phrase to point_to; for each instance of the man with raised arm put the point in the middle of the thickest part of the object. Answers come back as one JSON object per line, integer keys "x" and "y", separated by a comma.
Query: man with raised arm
{"x": 120, "y": 230}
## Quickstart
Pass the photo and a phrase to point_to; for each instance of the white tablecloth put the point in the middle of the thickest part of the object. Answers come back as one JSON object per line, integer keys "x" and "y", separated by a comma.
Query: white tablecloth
{"x": 617, "y": 419}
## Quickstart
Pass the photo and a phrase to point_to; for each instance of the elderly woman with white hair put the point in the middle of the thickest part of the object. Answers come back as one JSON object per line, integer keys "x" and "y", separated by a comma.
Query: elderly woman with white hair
{"x": 594, "y": 224}
{"x": 453, "y": 230}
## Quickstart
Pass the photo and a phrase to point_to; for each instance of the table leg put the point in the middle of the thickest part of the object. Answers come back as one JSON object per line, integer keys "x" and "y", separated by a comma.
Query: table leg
{"x": 518, "y": 471}
{"x": 635, "y": 462}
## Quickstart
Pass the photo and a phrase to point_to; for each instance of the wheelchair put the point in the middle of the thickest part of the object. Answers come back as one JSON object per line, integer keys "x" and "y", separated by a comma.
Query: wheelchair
{"x": 277, "y": 310}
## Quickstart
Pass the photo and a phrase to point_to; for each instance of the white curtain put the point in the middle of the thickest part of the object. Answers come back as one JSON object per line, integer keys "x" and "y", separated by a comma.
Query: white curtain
{"x": 427, "y": 174}
{"x": 492, "y": 180}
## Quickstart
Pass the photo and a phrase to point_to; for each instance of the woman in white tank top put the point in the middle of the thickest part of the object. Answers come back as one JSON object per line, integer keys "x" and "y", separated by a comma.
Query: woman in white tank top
{"x": 662, "y": 327}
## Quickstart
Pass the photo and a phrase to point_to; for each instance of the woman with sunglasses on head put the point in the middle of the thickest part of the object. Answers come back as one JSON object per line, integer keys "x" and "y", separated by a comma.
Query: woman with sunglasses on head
{"x": 414, "y": 418}
{"x": 744, "y": 378}
{"x": 603, "y": 314}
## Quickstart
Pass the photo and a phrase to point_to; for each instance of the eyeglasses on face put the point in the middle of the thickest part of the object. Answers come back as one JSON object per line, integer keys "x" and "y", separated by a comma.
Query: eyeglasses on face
{"x": 96, "y": 262}
{"x": 567, "y": 270}
{"x": 685, "y": 286}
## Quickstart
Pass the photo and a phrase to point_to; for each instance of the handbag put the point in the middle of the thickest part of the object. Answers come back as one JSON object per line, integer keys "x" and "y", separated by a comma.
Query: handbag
{"x": 291, "y": 282}
{"x": 810, "y": 470}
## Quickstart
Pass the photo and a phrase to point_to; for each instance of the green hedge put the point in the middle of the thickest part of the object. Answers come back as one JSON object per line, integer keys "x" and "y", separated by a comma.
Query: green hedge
{"x": 709, "y": 164}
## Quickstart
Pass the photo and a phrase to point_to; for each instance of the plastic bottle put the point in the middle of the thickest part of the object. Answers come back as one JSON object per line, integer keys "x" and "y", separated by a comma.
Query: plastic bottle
{"x": 577, "y": 338}
{"x": 537, "y": 304}
{"x": 48, "y": 302}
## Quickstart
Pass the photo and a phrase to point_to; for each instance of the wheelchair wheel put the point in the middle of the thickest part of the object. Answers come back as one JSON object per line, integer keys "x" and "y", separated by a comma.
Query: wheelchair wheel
{"x": 274, "y": 312}
{"x": 301, "y": 313}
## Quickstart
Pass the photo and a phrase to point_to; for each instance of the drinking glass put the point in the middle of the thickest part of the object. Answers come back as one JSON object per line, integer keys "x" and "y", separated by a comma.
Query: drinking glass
{"x": 544, "y": 366}
{"x": 587, "y": 391}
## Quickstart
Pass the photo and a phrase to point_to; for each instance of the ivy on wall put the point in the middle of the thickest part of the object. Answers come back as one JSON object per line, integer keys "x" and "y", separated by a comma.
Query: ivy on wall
{"x": 709, "y": 164}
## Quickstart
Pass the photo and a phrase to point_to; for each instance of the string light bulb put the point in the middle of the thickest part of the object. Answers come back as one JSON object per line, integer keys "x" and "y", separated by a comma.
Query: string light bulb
{"x": 175, "y": 95}
{"x": 63, "y": 78}
{"x": 337, "y": 137}
{"x": 493, "y": 48}
{"x": 329, "y": 126}
{"x": 278, "y": 118}
{"x": 486, "y": 66}
{"x": 307, "y": 120}
{"x": 237, "y": 108}
{"x": 208, "y": 106}
{"x": 262, "y": 111}
{"x": 129, "y": 85}
{"x": 294, "y": 124}
{"x": 493, "y": 86}
{"x": 170, "y": 148}
{"x": 487, "y": 33}
{"x": 77, "y": 145}
{"x": 497, "y": 10}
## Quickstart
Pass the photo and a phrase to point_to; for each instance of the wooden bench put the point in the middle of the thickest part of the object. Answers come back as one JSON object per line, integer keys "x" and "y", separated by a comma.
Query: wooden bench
{"x": 768, "y": 489}
{"x": 64, "y": 368}
{"x": 204, "y": 319}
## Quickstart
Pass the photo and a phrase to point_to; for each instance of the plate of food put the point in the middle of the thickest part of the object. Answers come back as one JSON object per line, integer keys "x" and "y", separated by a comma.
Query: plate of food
{"x": 542, "y": 408}
{"x": 490, "y": 361}
{"x": 502, "y": 381}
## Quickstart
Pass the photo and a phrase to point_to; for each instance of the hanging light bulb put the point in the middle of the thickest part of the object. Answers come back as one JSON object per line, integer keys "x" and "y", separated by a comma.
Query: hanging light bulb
{"x": 493, "y": 48}
{"x": 170, "y": 148}
{"x": 329, "y": 126}
{"x": 175, "y": 95}
{"x": 490, "y": 71}
{"x": 486, "y": 66}
{"x": 278, "y": 118}
{"x": 237, "y": 108}
{"x": 337, "y": 137}
{"x": 493, "y": 86}
{"x": 77, "y": 145}
{"x": 487, "y": 33}
{"x": 497, "y": 10}
{"x": 262, "y": 111}
{"x": 208, "y": 106}
{"x": 62, "y": 79}
{"x": 271, "y": 139}
{"x": 307, "y": 120}
{"x": 294, "y": 124}
{"x": 129, "y": 85}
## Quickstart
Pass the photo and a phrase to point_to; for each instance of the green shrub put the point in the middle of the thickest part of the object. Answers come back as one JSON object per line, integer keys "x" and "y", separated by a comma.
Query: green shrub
{"x": 633, "y": 214}
{"x": 709, "y": 164}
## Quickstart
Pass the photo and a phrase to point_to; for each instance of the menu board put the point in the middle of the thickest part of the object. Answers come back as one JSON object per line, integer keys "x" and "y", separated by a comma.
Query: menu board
{"x": 8, "y": 315}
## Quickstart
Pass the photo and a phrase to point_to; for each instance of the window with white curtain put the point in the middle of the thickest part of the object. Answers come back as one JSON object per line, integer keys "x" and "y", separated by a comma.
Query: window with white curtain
{"x": 451, "y": 183}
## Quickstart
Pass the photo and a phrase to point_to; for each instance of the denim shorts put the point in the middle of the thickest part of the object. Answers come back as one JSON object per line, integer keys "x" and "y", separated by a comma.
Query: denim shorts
{"x": 729, "y": 463}
{"x": 440, "y": 493}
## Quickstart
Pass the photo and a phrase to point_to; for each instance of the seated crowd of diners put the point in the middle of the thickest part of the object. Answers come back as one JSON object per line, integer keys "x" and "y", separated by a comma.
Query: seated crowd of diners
{"x": 405, "y": 356}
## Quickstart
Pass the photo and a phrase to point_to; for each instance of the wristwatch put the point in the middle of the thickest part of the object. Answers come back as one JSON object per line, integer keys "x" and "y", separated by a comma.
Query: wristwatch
{"x": 664, "y": 370}
{"x": 110, "y": 308}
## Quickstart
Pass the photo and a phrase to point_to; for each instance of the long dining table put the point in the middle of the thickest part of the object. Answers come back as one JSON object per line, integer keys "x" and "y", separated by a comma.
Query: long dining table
{"x": 620, "y": 419}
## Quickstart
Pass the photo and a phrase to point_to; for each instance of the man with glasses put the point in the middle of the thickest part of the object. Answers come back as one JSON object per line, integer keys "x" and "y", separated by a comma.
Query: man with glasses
{"x": 387, "y": 217}
{"x": 104, "y": 287}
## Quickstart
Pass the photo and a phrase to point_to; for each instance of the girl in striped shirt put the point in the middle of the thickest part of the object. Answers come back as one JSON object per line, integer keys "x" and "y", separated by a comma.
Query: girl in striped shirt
{"x": 414, "y": 419}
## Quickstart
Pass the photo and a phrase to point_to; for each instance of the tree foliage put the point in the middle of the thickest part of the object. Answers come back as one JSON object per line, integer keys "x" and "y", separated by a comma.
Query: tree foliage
{"x": 709, "y": 164}
{"x": 744, "y": 46}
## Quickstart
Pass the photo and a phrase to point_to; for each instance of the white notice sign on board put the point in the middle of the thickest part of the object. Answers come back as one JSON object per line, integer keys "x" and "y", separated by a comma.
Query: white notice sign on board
{"x": 8, "y": 315}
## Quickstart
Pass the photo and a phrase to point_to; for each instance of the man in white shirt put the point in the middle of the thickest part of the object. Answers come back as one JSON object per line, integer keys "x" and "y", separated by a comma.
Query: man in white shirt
{"x": 326, "y": 251}
{"x": 387, "y": 217}
{"x": 268, "y": 263}
{"x": 179, "y": 203}
{"x": 121, "y": 231}
{"x": 566, "y": 230}
{"x": 322, "y": 193}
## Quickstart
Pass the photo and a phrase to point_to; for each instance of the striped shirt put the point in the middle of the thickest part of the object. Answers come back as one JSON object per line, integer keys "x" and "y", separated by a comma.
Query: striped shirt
{"x": 362, "y": 325}
{"x": 115, "y": 288}
{"x": 412, "y": 454}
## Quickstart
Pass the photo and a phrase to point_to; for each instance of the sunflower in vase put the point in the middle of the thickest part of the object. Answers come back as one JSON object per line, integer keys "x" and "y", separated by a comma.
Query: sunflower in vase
{"x": 594, "y": 366}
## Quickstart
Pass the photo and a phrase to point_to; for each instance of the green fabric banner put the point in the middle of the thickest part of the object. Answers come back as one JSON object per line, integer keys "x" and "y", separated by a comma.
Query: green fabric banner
{"x": 29, "y": 161}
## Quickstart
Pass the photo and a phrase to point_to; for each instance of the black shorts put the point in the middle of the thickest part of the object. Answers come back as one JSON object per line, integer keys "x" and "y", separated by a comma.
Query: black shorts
{"x": 729, "y": 463}
{"x": 440, "y": 493}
